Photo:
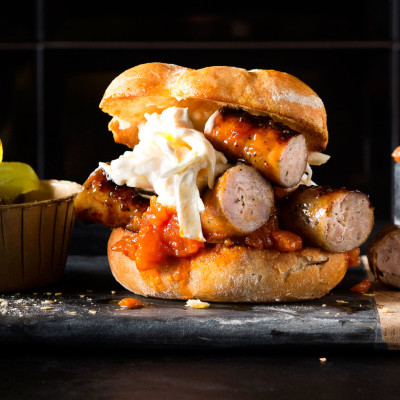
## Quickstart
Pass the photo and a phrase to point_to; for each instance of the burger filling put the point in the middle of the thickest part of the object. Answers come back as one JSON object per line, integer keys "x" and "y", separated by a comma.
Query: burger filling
{"x": 176, "y": 162}
{"x": 170, "y": 166}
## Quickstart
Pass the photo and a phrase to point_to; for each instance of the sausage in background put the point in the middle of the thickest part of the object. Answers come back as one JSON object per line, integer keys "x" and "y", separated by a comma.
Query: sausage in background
{"x": 383, "y": 253}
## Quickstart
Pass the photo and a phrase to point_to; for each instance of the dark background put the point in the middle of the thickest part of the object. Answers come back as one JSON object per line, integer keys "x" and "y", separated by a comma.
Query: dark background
{"x": 57, "y": 59}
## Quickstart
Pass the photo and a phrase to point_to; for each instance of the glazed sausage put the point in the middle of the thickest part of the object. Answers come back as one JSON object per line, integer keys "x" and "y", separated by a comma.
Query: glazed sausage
{"x": 240, "y": 202}
{"x": 279, "y": 153}
{"x": 337, "y": 220}
{"x": 383, "y": 253}
{"x": 101, "y": 201}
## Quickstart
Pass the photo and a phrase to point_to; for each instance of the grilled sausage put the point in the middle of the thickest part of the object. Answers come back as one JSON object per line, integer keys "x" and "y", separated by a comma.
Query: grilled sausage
{"x": 240, "y": 202}
{"x": 383, "y": 253}
{"x": 336, "y": 220}
{"x": 279, "y": 153}
{"x": 101, "y": 201}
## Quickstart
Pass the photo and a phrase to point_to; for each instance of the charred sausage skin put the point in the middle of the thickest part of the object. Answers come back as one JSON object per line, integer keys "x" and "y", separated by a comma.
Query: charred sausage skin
{"x": 101, "y": 201}
{"x": 337, "y": 220}
{"x": 279, "y": 153}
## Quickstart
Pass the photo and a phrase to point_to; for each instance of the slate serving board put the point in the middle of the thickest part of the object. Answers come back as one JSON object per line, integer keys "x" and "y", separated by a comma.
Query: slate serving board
{"x": 82, "y": 310}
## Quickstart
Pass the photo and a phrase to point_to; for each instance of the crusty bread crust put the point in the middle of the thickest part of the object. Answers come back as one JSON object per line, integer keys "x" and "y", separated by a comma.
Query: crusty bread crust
{"x": 152, "y": 87}
{"x": 234, "y": 274}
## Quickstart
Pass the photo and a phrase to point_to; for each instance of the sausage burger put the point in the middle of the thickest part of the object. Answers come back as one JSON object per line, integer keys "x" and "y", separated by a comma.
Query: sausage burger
{"x": 214, "y": 199}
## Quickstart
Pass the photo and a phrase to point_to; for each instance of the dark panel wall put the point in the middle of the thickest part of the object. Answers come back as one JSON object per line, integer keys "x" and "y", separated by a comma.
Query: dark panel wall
{"x": 57, "y": 58}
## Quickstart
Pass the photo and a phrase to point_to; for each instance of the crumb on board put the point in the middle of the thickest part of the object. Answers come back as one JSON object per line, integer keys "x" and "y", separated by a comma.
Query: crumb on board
{"x": 342, "y": 302}
{"x": 47, "y": 302}
{"x": 58, "y": 294}
{"x": 196, "y": 303}
{"x": 113, "y": 292}
{"x": 322, "y": 360}
{"x": 46, "y": 308}
{"x": 92, "y": 312}
{"x": 385, "y": 310}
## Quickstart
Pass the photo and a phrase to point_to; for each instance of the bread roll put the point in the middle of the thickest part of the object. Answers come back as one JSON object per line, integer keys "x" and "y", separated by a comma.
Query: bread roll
{"x": 233, "y": 274}
{"x": 153, "y": 87}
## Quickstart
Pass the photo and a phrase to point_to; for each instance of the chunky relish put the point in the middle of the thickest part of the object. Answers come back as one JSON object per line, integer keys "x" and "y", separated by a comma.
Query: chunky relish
{"x": 353, "y": 257}
{"x": 157, "y": 239}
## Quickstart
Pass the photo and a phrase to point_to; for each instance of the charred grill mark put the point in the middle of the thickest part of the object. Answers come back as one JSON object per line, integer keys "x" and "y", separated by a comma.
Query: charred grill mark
{"x": 275, "y": 150}
{"x": 258, "y": 121}
{"x": 103, "y": 202}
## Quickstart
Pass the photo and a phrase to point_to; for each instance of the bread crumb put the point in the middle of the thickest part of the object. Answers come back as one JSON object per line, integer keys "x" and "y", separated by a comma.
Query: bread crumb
{"x": 342, "y": 302}
{"x": 323, "y": 305}
{"x": 81, "y": 296}
{"x": 322, "y": 360}
{"x": 71, "y": 312}
{"x": 49, "y": 293}
{"x": 113, "y": 292}
{"x": 196, "y": 303}
{"x": 92, "y": 312}
{"x": 385, "y": 310}
{"x": 47, "y": 308}
{"x": 58, "y": 294}
{"x": 89, "y": 291}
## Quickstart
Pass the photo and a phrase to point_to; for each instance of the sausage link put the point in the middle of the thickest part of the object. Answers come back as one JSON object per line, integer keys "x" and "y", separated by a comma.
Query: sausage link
{"x": 383, "y": 253}
{"x": 279, "y": 153}
{"x": 240, "y": 202}
{"x": 336, "y": 220}
{"x": 101, "y": 201}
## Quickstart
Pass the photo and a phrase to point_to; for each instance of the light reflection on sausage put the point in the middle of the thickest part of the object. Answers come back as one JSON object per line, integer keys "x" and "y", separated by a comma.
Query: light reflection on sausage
{"x": 101, "y": 201}
{"x": 336, "y": 220}
{"x": 279, "y": 153}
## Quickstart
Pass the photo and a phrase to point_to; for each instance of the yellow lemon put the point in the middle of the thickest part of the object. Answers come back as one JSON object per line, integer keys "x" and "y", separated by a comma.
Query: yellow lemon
{"x": 16, "y": 178}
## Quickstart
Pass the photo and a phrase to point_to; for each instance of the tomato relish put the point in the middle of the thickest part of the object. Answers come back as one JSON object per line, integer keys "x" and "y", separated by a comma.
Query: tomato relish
{"x": 396, "y": 154}
{"x": 130, "y": 303}
{"x": 362, "y": 287}
{"x": 353, "y": 257}
{"x": 157, "y": 239}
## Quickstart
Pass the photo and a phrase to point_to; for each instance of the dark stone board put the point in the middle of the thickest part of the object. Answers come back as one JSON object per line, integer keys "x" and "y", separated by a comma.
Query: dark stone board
{"x": 82, "y": 310}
